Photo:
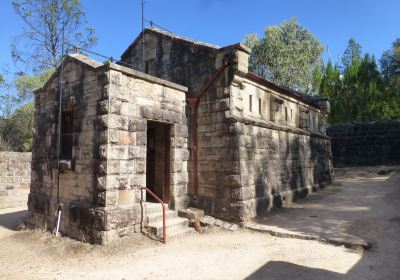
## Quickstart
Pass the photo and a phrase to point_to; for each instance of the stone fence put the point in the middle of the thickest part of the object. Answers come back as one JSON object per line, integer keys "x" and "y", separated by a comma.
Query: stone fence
{"x": 15, "y": 179}
{"x": 373, "y": 143}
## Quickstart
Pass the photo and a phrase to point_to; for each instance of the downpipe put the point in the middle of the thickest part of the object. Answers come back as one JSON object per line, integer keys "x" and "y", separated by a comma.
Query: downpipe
{"x": 194, "y": 103}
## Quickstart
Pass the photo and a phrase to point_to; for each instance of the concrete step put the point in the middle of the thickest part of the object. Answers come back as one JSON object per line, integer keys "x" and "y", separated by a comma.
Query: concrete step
{"x": 174, "y": 227}
{"x": 155, "y": 217}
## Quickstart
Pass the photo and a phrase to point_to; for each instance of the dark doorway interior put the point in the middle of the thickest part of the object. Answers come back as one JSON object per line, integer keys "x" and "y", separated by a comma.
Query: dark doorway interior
{"x": 158, "y": 160}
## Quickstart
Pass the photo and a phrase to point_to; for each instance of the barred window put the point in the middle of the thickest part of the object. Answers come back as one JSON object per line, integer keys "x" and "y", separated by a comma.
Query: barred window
{"x": 67, "y": 134}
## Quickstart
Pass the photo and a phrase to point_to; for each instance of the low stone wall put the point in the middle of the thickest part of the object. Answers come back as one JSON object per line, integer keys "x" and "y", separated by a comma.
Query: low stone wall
{"x": 15, "y": 179}
{"x": 371, "y": 143}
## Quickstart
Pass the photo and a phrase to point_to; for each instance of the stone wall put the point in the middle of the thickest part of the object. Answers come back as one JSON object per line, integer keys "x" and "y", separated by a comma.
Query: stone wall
{"x": 192, "y": 63}
{"x": 173, "y": 58}
{"x": 258, "y": 144}
{"x": 15, "y": 179}
{"x": 98, "y": 190}
{"x": 372, "y": 143}
{"x": 283, "y": 152}
{"x": 82, "y": 91}
{"x": 276, "y": 167}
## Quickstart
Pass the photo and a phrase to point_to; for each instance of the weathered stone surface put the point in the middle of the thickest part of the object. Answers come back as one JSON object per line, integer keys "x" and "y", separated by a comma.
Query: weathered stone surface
{"x": 374, "y": 143}
{"x": 15, "y": 178}
{"x": 259, "y": 145}
{"x": 210, "y": 221}
{"x": 191, "y": 213}
{"x": 98, "y": 189}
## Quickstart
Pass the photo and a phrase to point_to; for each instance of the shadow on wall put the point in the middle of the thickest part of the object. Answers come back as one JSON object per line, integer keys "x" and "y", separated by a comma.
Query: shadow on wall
{"x": 362, "y": 144}
{"x": 288, "y": 168}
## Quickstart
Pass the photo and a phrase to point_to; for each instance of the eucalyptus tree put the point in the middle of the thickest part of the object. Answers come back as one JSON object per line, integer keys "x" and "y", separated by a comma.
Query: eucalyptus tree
{"x": 287, "y": 55}
{"x": 38, "y": 47}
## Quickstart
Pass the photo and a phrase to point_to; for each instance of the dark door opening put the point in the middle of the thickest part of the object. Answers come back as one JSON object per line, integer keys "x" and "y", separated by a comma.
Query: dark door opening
{"x": 158, "y": 160}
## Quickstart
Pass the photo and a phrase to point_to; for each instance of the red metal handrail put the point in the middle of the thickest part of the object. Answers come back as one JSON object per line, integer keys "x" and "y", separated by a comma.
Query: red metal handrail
{"x": 163, "y": 212}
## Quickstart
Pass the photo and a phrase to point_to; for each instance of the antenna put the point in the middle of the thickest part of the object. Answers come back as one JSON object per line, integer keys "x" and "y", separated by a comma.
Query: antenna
{"x": 143, "y": 36}
{"x": 329, "y": 52}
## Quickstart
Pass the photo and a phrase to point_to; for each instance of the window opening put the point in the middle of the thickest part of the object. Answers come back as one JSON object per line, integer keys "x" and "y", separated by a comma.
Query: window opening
{"x": 67, "y": 134}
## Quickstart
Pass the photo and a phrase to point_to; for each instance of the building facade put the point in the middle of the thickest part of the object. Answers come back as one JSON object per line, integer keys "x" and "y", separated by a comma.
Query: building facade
{"x": 196, "y": 128}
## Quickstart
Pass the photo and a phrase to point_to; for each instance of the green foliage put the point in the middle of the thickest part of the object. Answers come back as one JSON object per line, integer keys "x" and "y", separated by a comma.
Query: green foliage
{"x": 352, "y": 53}
{"x": 360, "y": 92}
{"x": 290, "y": 55}
{"x": 390, "y": 65}
{"x": 20, "y": 91}
{"x": 36, "y": 53}
{"x": 39, "y": 47}
{"x": 26, "y": 84}
{"x": 390, "y": 61}
{"x": 16, "y": 131}
{"x": 286, "y": 55}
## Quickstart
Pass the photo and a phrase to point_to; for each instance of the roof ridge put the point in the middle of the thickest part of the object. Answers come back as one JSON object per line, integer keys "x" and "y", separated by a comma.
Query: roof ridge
{"x": 174, "y": 35}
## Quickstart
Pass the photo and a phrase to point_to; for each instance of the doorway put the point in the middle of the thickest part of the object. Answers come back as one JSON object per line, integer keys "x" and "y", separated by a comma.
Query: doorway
{"x": 158, "y": 160}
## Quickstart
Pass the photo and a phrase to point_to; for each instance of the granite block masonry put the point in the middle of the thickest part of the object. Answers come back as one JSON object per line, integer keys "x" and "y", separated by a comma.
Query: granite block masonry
{"x": 259, "y": 145}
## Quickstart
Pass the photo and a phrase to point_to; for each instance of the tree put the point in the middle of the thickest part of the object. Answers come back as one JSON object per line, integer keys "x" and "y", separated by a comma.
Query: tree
{"x": 16, "y": 131}
{"x": 352, "y": 53}
{"x": 26, "y": 84}
{"x": 390, "y": 65}
{"x": 331, "y": 87}
{"x": 286, "y": 55}
{"x": 390, "y": 61}
{"x": 36, "y": 54}
{"x": 41, "y": 40}
{"x": 358, "y": 92}
{"x": 351, "y": 61}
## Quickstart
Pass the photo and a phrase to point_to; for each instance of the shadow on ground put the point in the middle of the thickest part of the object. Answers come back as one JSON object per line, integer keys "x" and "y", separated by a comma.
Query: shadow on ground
{"x": 362, "y": 204}
{"x": 11, "y": 220}
{"x": 285, "y": 270}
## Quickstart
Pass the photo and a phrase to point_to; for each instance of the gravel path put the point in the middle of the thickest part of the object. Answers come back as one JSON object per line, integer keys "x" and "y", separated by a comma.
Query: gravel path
{"x": 216, "y": 254}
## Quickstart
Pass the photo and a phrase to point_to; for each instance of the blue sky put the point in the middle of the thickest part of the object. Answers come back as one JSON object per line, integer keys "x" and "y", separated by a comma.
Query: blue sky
{"x": 374, "y": 24}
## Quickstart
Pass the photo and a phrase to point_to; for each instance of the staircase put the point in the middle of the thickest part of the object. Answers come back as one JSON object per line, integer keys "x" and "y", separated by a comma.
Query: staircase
{"x": 175, "y": 225}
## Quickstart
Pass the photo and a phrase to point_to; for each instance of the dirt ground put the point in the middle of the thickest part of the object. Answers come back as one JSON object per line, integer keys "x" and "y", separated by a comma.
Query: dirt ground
{"x": 367, "y": 208}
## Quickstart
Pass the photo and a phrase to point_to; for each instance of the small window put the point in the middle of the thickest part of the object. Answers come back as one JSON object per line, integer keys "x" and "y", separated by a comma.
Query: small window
{"x": 309, "y": 121}
{"x": 67, "y": 129}
{"x": 259, "y": 106}
{"x": 291, "y": 115}
{"x": 251, "y": 103}
{"x": 286, "y": 115}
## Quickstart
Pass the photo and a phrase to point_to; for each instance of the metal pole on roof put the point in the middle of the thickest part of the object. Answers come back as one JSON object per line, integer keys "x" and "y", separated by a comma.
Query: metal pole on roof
{"x": 143, "y": 35}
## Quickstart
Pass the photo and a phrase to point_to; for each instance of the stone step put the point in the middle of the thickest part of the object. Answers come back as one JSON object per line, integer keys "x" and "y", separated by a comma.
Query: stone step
{"x": 152, "y": 207}
{"x": 174, "y": 226}
{"x": 155, "y": 217}
{"x": 179, "y": 232}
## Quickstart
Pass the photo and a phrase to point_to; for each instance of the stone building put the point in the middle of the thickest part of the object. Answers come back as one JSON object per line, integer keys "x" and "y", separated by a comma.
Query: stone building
{"x": 196, "y": 128}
